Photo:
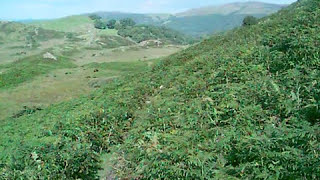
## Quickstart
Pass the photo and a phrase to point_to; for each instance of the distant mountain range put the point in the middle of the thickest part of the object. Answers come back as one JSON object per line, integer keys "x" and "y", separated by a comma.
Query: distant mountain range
{"x": 248, "y": 8}
{"x": 200, "y": 21}
{"x": 204, "y": 20}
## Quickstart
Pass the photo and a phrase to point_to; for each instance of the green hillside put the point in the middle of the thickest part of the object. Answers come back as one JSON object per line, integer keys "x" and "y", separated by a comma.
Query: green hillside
{"x": 214, "y": 19}
{"x": 67, "y": 24}
{"x": 150, "y": 19}
{"x": 201, "y": 21}
{"x": 242, "y": 105}
{"x": 77, "y": 24}
{"x": 141, "y": 33}
{"x": 83, "y": 25}
{"x": 203, "y": 25}
{"x": 196, "y": 22}
{"x": 17, "y": 32}
{"x": 19, "y": 41}
{"x": 247, "y": 8}
{"x": 30, "y": 81}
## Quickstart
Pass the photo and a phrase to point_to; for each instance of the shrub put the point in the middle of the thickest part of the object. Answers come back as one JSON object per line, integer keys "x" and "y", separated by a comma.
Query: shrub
{"x": 249, "y": 21}
{"x": 111, "y": 24}
{"x": 99, "y": 24}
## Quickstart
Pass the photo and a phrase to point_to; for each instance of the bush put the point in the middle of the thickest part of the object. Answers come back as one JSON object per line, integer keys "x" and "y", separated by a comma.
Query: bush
{"x": 249, "y": 21}
{"x": 99, "y": 24}
{"x": 111, "y": 24}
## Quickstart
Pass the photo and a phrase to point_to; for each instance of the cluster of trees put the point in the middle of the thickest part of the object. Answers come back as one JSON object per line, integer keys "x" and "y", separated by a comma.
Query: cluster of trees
{"x": 141, "y": 33}
{"x": 128, "y": 28}
{"x": 99, "y": 23}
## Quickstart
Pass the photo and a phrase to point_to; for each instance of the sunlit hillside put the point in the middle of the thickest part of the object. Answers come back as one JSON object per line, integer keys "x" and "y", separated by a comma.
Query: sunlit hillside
{"x": 244, "y": 104}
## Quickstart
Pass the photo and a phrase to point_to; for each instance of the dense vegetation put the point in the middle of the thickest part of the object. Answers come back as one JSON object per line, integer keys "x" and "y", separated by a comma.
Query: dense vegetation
{"x": 243, "y": 105}
{"x": 113, "y": 41}
{"x": 127, "y": 28}
{"x": 147, "y": 32}
{"x": 99, "y": 24}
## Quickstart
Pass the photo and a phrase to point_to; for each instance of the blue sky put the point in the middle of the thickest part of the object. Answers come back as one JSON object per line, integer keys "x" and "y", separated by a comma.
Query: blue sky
{"x": 45, "y": 9}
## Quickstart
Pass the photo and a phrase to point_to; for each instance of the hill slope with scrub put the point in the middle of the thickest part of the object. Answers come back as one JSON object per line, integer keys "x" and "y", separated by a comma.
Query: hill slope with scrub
{"x": 93, "y": 28}
{"x": 242, "y": 105}
{"x": 204, "y": 20}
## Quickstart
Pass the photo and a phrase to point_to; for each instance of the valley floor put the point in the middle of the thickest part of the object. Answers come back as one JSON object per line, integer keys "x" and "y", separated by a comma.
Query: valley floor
{"x": 67, "y": 83}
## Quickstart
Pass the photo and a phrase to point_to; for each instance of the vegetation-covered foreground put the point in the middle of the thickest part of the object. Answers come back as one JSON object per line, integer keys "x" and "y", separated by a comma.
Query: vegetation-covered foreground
{"x": 243, "y": 105}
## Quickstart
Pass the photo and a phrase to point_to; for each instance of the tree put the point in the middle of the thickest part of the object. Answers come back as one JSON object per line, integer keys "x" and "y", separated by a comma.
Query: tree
{"x": 94, "y": 17}
{"x": 99, "y": 24}
{"x": 249, "y": 21}
{"x": 111, "y": 24}
{"x": 127, "y": 22}
{"x": 118, "y": 26}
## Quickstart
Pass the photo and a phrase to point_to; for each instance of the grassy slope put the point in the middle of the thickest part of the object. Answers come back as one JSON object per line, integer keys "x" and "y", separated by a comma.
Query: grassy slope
{"x": 240, "y": 105}
{"x": 67, "y": 24}
{"x": 28, "y": 68}
{"x": 35, "y": 82}
{"x": 77, "y": 24}
{"x": 15, "y": 32}
{"x": 21, "y": 41}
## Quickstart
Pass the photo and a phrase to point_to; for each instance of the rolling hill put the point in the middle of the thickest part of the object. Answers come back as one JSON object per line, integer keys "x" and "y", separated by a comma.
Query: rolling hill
{"x": 17, "y": 32}
{"x": 247, "y": 8}
{"x": 242, "y": 105}
{"x": 214, "y": 19}
{"x": 75, "y": 24}
{"x": 149, "y": 19}
{"x": 195, "y": 22}
{"x": 84, "y": 26}
{"x": 202, "y": 21}
{"x": 19, "y": 40}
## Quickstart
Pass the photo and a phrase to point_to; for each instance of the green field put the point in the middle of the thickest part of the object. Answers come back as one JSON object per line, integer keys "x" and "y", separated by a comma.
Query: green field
{"x": 36, "y": 82}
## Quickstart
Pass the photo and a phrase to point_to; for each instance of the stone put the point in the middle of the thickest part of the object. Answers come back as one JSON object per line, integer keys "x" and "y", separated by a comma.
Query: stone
{"x": 49, "y": 56}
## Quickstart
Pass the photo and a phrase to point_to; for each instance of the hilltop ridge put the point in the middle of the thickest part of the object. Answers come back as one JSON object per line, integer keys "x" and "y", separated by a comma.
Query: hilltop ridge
{"x": 204, "y": 20}
{"x": 248, "y": 8}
